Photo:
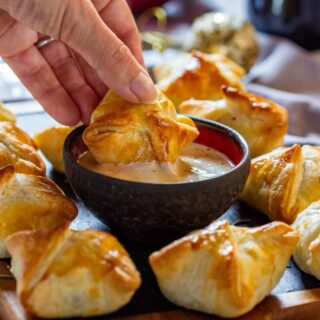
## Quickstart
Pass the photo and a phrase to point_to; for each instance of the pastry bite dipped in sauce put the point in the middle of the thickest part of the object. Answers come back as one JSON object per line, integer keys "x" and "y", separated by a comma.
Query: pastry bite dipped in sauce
{"x": 63, "y": 273}
{"x": 156, "y": 212}
{"x": 223, "y": 269}
{"x": 197, "y": 75}
{"x": 30, "y": 202}
{"x": 284, "y": 182}
{"x": 19, "y": 150}
{"x": 124, "y": 132}
{"x": 263, "y": 123}
{"x": 148, "y": 143}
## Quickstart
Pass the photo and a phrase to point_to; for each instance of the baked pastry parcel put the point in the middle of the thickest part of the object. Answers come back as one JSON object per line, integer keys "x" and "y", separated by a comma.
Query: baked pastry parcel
{"x": 124, "y": 132}
{"x": 284, "y": 182}
{"x": 62, "y": 273}
{"x": 197, "y": 75}
{"x": 6, "y": 114}
{"x": 307, "y": 251}
{"x": 19, "y": 150}
{"x": 224, "y": 270}
{"x": 262, "y": 123}
{"x": 50, "y": 141}
{"x": 30, "y": 202}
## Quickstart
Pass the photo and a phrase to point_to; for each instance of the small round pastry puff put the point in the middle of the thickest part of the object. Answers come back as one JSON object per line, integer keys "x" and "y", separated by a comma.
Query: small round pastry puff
{"x": 223, "y": 269}
{"x": 307, "y": 251}
{"x": 50, "y": 141}
{"x": 6, "y": 114}
{"x": 63, "y": 273}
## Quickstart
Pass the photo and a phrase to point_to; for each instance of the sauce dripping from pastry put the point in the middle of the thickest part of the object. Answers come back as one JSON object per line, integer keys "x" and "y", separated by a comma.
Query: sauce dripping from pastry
{"x": 196, "y": 162}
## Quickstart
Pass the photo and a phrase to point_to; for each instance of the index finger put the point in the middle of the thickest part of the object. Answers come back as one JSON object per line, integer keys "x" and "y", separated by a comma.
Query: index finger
{"x": 117, "y": 15}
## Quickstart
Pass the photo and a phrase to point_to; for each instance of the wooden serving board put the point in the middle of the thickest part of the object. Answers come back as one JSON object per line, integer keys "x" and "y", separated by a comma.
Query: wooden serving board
{"x": 297, "y": 295}
{"x": 297, "y": 305}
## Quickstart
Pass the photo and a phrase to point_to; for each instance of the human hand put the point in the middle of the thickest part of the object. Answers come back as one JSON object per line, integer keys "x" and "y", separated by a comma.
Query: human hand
{"x": 96, "y": 47}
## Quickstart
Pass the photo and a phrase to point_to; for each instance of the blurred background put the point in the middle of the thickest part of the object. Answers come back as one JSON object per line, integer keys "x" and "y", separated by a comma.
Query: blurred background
{"x": 276, "y": 41}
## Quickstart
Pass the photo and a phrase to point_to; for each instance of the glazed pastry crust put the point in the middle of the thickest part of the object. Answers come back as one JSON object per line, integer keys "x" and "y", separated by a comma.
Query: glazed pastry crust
{"x": 262, "y": 122}
{"x": 6, "y": 114}
{"x": 19, "y": 150}
{"x": 81, "y": 273}
{"x": 284, "y": 182}
{"x": 30, "y": 202}
{"x": 123, "y": 132}
{"x": 224, "y": 270}
{"x": 197, "y": 76}
{"x": 50, "y": 141}
{"x": 307, "y": 251}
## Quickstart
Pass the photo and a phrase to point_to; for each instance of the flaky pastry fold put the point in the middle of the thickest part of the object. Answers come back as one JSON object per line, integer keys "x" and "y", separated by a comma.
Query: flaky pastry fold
{"x": 124, "y": 132}
{"x": 262, "y": 123}
{"x": 63, "y": 273}
{"x": 224, "y": 270}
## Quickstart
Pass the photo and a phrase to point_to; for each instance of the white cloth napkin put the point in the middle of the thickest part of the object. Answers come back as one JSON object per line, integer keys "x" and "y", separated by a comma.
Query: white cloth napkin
{"x": 290, "y": 75}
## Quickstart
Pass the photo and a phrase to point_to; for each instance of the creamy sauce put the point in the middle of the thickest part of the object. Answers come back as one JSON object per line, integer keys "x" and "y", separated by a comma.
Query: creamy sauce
{"x": 196, "y": 162}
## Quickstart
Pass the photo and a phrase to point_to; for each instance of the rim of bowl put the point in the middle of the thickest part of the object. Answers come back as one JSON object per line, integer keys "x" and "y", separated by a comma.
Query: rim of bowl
{"x": 233, "y": 134}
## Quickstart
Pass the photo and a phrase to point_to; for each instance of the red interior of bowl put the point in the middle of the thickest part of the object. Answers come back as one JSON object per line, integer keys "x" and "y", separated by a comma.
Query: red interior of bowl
{"x": 221, "y": 142}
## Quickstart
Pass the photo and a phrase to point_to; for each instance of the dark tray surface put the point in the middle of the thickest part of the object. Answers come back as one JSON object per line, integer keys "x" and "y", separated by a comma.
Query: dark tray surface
{"x": 148, "y": 298}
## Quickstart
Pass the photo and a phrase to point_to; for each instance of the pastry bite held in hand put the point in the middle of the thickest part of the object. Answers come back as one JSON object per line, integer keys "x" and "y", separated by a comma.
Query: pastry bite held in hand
{"x": 62, "y": 273}
{"x": 30, "y": 202}
{"x": 6, "y": 114}
{"x": 197, "y": 75}
{"x": 148, "y": 143}
{"x": 224, "y": 270}
{"x": 262, "y": 123}
{"x": 124, "y": 132}
{"x": 307, "y": 251}
{"x": 284, "y": 182}
{"x": 19, "y": 150}
{"x": 50, "y": 141}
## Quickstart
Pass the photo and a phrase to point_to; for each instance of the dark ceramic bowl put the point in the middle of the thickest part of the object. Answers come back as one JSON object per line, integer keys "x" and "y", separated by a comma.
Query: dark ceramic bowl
{"x": 156, "y": 213}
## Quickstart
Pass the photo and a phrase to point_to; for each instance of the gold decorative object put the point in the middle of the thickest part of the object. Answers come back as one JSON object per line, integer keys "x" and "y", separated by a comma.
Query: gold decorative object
{"x": 213, "y": 32}
{"x": 216, "y": 32}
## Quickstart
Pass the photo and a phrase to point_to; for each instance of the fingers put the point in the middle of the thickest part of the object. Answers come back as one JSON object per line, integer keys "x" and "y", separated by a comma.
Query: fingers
{"x": 36, "y": 74}
{"x": 69, "y": 75}
{"x": 78, "y": 24}
{"x": 112, "y": 60}
{"x": 14, "y": 36}
{"x": 91, "y": 76}
{"x": 118, "y": 17}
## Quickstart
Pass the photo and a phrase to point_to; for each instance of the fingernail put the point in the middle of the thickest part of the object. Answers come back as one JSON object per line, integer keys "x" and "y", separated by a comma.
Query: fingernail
{"x": 143, "y": 87}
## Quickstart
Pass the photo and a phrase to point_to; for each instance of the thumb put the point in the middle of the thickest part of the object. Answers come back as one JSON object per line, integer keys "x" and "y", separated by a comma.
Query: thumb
{"x": 78, "y": 24}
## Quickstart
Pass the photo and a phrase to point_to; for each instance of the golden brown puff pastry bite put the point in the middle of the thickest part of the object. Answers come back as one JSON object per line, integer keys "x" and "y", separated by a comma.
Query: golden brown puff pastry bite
{"x": 50, "y": 141}
{"x": 30, "y": 202}
{"x": 6, "y": 114}
{"x": 223, "y": 269}
{"x": 123, "y": 132}
{"x": 284, "y": 182}
{"x": 19, "y": 150}
{"x": 197, "y": 75}
{"x": 262, "y": 123}
{"x": 62, "y": 273}
{"x": 307, "y": 251}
